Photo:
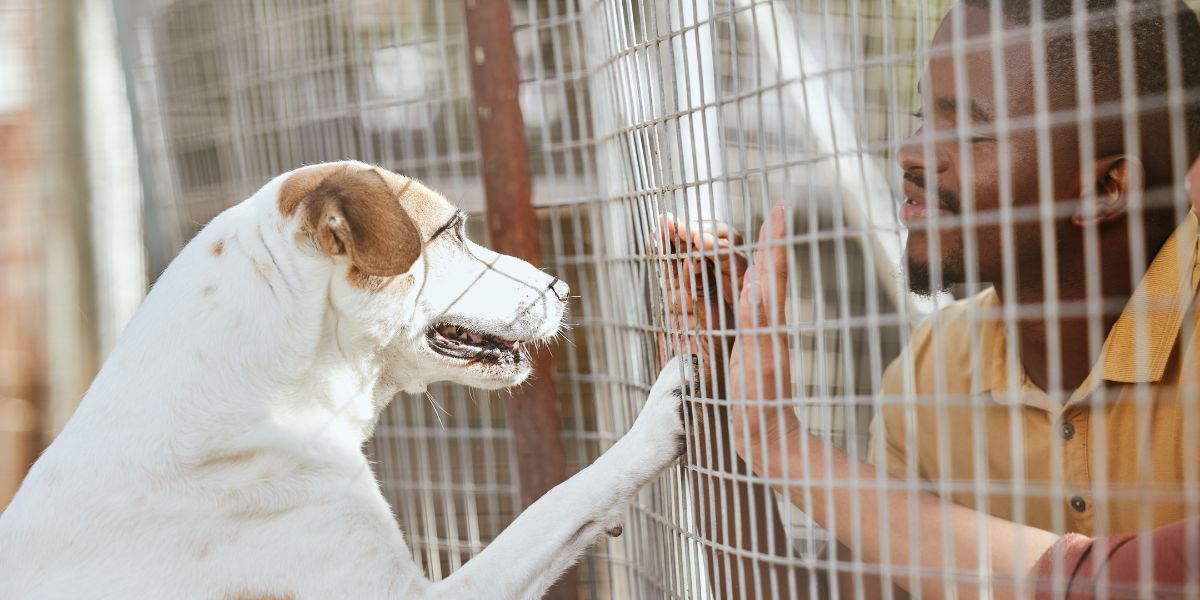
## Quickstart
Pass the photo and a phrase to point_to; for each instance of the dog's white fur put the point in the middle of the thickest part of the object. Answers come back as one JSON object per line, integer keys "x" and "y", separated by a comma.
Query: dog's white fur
{"x": 218, "y": 455}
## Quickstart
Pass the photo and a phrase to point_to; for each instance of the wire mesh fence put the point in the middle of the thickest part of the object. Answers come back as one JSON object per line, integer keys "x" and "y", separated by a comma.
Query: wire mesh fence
{"x": 1047, "y": 377}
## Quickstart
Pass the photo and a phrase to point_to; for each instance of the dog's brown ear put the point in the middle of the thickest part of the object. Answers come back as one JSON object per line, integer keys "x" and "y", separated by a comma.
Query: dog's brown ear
{"x": 354, "y": 212}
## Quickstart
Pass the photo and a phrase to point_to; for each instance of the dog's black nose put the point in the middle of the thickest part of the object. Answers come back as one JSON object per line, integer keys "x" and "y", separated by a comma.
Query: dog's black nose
{"x": 560, "y": 289}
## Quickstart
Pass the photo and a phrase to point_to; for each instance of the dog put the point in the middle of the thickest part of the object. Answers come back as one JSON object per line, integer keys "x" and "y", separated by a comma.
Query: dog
{"x": 218, "y": 453}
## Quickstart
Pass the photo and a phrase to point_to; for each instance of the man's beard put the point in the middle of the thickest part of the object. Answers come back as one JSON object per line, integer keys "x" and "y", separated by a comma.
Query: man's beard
{"x": 920, "y": 276}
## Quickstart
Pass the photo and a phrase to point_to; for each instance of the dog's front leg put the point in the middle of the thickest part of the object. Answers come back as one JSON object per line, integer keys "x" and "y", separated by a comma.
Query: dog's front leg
{"x": 546, "y": 539}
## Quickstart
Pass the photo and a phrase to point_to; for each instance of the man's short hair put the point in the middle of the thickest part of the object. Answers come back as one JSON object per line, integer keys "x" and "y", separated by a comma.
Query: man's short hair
{"x": 1153, "y": 52}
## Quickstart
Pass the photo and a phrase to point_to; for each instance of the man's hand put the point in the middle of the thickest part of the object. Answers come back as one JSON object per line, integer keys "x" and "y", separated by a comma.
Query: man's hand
{"x": 760, "y": 365}
{"x": 703, "y": 264}
{"x": 717, "y": 240}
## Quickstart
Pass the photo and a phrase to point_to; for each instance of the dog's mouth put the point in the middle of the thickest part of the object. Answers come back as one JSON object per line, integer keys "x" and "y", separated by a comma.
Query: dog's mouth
{"x": 456, "y": 341}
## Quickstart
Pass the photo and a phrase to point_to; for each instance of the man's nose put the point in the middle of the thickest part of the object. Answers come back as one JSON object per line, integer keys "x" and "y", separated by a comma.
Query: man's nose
{"x": 913, "y": 158}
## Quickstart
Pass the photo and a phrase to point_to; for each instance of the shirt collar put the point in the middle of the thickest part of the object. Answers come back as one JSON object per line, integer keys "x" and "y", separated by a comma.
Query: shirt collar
{"x": 1156, "y": 309}
{"x": 1139, "y": 345}
{"x": 995, "y": 377}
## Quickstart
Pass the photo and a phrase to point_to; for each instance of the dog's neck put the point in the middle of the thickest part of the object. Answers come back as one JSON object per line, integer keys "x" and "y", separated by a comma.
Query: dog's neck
{"x": 257, "y": 355}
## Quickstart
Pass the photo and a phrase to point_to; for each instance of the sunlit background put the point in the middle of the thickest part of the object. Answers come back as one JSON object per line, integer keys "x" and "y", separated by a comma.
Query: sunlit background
{"x": 127, "y": 125}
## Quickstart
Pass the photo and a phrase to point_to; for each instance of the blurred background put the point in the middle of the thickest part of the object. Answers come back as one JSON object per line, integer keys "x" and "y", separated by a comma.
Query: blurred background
{"x": 127, "y": 125}
{"x": 130, "y": 124}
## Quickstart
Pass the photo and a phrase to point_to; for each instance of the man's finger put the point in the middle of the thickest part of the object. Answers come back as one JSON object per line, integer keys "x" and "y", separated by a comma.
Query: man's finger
{"x": 775, "y": 273}
{"x": 726, "y": 232}
{"x": 763, "y": 271}
{"x": 728, "y": 261}
{"x": 711, "y": 241}
{"x": 668, "y": 232}
{"x": 745, "y": 310}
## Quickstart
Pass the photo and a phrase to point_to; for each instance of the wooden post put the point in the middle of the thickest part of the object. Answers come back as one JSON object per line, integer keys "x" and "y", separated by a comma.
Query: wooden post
{"x": 533, "y": 411}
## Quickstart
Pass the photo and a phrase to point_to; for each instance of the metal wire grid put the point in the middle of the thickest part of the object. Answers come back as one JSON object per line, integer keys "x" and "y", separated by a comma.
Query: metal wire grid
{"x": 231, "y": 93}
{"x": 681, "y": 134}
{"x": 704, "y": 120}
{"x": 710, "y": 110}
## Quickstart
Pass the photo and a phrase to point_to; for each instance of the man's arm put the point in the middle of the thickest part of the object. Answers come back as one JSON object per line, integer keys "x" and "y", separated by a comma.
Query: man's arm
{"x": 747, "y": 547}
{"x": 886, "y": 453}
{"x": 745, "y": 542}
{"x": 769, "y": 436}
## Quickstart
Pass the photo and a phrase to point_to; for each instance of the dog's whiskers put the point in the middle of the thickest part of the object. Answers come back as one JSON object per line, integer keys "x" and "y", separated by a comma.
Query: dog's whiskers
{"x": 438, "y": 409}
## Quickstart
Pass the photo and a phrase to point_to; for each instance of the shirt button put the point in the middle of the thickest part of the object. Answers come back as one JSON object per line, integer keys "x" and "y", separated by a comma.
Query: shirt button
{"x": 1079, "y": 504}
{"x": 1068, "y": 431}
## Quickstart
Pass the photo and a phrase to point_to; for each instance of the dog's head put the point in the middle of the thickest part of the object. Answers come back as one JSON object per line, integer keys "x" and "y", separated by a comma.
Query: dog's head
{"x": 432, "y": 303}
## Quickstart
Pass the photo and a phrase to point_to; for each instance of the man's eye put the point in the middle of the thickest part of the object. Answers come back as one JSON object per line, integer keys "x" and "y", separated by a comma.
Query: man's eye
{"x": 978, "y": 138}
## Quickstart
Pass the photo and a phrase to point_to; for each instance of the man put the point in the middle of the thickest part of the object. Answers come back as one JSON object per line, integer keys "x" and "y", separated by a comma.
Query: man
{"x": 1052, "y": 566}
{"x": 1075, "y": 412}
{"x": 1086, "y": 381}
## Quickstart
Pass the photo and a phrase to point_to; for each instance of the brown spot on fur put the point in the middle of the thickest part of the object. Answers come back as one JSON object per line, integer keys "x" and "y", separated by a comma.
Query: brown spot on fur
{"x": 301, "y": 184}
{"x": 203, "y": 551}
{"x": 426, "y": 207}
{"x": 209, "y": 289}
{"x": 218, "y": 248}
{"x": 363, "y": 281}
{"x": 357, "y": 214}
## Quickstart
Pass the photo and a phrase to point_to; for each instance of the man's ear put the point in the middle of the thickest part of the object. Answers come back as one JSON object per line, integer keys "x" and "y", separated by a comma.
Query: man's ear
{"x": 1116, "y": 178}
{"x": 354, "y": 212}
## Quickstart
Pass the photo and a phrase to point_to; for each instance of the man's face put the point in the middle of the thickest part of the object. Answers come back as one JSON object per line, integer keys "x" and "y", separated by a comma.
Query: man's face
{"x": 955, "y": 165}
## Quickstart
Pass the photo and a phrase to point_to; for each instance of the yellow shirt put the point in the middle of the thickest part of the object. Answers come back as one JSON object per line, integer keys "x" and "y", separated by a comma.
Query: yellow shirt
{"x": 1120, "y": 454}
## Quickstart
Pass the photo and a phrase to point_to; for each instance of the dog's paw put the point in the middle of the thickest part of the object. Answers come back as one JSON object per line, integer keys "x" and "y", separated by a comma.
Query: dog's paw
{"x": 660, "y": 424}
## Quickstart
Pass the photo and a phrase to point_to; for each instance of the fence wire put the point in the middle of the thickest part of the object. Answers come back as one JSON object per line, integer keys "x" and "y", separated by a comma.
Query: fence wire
{"x": 649, "y": 122}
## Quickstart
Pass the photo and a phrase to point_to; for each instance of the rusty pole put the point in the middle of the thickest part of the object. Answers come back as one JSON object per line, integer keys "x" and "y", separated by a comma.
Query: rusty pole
{"x": 533, "y": 411}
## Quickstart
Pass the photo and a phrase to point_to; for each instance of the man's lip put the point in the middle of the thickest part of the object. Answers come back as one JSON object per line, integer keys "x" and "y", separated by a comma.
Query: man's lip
{"x": 913, "y": 211}
{"x": 916, "y": 204}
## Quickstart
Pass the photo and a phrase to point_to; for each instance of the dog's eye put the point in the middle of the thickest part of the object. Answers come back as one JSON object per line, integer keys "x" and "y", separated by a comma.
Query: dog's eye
{"x": 456, "y": 226}
{"x": 460, "y": 228}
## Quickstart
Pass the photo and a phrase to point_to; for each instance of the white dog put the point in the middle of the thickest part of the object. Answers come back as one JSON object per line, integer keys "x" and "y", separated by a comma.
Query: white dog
{"x": 218, "y": 454}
